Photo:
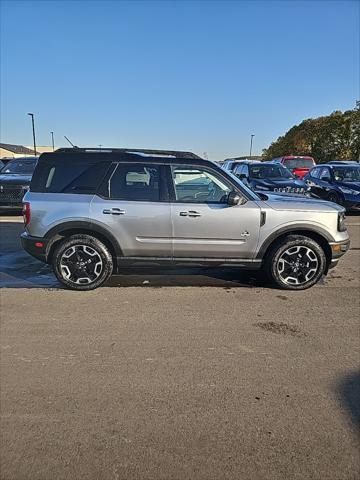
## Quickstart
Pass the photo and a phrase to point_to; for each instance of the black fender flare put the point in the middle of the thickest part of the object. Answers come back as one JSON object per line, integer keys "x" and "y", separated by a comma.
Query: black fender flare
{"x": 83, "y": 226}
{"x": 289, "y": 229}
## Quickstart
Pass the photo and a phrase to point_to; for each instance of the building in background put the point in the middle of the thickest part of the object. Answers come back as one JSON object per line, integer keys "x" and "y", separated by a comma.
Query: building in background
{"x": 42, "y": 148}
{"x": 9, "y": 151}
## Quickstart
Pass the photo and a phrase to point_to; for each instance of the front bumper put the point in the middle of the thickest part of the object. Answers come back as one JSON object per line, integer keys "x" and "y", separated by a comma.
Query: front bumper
{"x": 11, "y": 206}
{"x": 11, "y": 196}
{"x": 35, "y": 246}
{"x": 338, "y": 249}
{"x": 351, "y": 201}
{"x": 349, "y": 205}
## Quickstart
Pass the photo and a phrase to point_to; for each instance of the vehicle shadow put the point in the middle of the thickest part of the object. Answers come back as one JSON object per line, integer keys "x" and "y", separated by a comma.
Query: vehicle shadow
{"x": 20, "y": 270}
{"x": 187, "y": 277}
{"x": 348, "y": 390}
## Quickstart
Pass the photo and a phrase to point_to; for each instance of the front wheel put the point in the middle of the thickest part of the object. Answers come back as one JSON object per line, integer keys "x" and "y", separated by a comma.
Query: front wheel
{"x": 82, "y": 262}
{"x": 334, "y": 197}
{"x": 296, "y": 263}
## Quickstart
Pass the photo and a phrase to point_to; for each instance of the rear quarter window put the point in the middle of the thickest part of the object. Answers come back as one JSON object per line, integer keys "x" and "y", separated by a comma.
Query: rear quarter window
{"x": 64, "y": 177}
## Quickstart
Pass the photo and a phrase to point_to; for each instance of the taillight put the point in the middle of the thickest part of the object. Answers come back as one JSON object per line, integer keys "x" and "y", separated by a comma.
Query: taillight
{"x": 26, "y": 213}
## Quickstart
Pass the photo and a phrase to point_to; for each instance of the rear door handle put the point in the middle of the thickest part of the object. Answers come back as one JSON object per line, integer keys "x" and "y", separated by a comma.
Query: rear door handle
{"x": 114, "y": 211}
{"x": 190, "y": 213}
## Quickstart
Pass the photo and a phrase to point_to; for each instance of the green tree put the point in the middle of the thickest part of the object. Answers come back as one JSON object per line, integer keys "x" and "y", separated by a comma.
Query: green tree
{"x": 332, "y": 137}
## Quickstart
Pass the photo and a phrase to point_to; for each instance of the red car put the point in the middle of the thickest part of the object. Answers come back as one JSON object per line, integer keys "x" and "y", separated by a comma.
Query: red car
{"x": 298, "y": 165}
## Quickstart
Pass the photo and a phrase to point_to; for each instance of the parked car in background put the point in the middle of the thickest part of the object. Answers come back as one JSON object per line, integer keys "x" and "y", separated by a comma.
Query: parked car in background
{"x": 269, "y": 177}
{"x": 230, "y": 164}
{"x": 15, "y": 178}
{"x": 89, "y": 213}
{"x": 298, "y": 165}
{"x": 338, "y": 182}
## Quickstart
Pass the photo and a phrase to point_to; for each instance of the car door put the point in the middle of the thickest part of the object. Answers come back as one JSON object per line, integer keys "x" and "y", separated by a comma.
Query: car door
{"x": 133, "y": 206}
{"x": 204, "y": 224}
{"x": 325, "y": 182}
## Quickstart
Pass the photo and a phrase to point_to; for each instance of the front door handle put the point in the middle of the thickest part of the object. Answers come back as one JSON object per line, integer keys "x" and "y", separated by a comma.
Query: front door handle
{"x": 190, "y": 213}
{"x": 114, "y": 211}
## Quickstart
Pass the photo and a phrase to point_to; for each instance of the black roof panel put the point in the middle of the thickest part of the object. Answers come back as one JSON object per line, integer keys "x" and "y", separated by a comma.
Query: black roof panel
{"x": 142, "y": 152}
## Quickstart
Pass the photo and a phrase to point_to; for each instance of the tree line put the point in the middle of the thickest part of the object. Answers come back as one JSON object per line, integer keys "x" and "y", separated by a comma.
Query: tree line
{"x": 332, "y": 137}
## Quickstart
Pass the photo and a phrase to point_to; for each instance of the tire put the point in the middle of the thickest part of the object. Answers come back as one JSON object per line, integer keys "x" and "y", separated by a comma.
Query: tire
{"x": 290, "y": 272}
{"x": 82, "y": 262}
{"x": 334, "y": 197}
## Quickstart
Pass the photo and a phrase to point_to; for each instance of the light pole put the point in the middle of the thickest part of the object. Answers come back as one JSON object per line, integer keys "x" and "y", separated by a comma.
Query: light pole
{"x": 33, "y": 129}
{"x": 251, "y": 143}
{"x": 52, "y": 140}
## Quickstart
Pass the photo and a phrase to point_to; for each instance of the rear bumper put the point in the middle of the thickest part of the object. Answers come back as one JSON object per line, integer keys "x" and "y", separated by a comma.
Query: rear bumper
{"x": 35, "y": 246}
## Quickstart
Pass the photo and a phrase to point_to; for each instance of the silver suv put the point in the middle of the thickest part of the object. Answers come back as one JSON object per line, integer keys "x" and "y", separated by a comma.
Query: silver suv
{"x": 90, "y": 212}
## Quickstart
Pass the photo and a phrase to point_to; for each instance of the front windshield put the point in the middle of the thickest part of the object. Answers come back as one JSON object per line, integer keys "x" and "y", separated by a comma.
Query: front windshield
{"x": 19, "y": 167}
{"x": 347, "y": 174}
{"x": 299, "y": 163}
{"x": 269, "y": 171}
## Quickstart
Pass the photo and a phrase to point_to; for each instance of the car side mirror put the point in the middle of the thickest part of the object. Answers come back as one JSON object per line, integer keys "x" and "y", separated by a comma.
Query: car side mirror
{"x": 235, "y": 198}
{"x": 242, "y": 176}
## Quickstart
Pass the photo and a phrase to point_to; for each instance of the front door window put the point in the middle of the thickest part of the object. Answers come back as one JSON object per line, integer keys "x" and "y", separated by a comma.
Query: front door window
{"x": 197, "y": 185}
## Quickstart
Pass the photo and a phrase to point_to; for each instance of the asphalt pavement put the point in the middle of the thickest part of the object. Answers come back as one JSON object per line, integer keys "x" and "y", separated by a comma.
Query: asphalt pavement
{"x": 178, "y": 374}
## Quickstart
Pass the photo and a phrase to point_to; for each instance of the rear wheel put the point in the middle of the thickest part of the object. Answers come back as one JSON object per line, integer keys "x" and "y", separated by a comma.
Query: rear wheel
{"x": 82, "y": 262}
{"x": 296, "y": 263}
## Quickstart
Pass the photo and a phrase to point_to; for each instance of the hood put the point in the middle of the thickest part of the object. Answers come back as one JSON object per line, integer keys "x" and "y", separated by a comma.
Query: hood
{"x": 278, "y": 183}
{"x": 11, "y": 179}
{"x": 278, "y": 202}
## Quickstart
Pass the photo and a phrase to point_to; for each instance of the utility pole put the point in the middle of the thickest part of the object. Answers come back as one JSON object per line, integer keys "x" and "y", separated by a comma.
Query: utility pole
{"x": 33, "y": 129}
{"x": 52, "y": 140}
{"x": 251, "y": 144}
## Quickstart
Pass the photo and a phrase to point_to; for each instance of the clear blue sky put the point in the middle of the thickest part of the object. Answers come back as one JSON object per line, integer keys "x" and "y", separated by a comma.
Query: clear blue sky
{"x": 197, "y": 75}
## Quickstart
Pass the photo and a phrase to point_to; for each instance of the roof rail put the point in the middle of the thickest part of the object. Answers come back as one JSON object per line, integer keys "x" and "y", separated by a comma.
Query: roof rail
{"x": 144, "y": 152}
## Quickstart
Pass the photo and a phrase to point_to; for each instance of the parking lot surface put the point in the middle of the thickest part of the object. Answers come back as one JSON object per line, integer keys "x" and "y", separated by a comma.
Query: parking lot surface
{"x": 178, "y": 374}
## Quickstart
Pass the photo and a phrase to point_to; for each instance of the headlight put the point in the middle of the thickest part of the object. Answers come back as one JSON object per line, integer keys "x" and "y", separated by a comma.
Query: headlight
{"x": 341, "y": 222}
{"x": 349, "y": 191}
{"x": 260, "y": 187}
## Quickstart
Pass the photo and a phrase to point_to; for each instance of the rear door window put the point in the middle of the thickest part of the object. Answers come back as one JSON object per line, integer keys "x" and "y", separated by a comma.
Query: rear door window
{"x": 134, "y": 182}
